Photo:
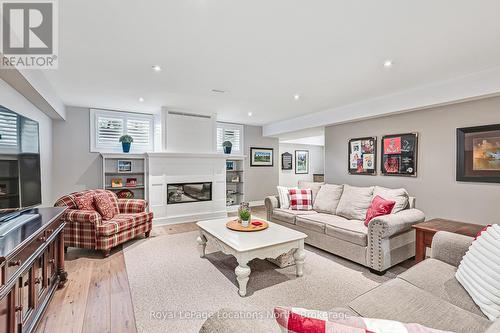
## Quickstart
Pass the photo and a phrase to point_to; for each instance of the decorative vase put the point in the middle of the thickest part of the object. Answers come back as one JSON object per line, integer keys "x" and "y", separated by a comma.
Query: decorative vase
{"x": 126, "y": 147}
{"x": 244, "y": 206}
{"x": 227, "y": 149}
{"x": 244, "y": 224}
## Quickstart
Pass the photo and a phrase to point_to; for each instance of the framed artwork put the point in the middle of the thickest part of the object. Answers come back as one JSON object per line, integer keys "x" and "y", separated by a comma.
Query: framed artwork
{"x": 399, "y": 154}
{"x": 124, "y": 166}
{"x": 302, "y": 161}
{"x": 286, "y": 161}
{"x": 116, "y": 182}
{"x": 362, "y": 154}
{"x": 261, "y": 157}
{"x": 478, "y": 154}
{"x": 230, "y": 165}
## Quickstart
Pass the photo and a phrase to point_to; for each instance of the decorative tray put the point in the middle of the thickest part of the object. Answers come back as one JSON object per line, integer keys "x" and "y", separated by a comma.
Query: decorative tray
{"x": 254, "y": 225}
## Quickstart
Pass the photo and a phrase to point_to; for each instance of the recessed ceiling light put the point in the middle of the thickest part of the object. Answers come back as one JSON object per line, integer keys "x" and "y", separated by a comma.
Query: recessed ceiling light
{"x": 388, "y": 63}
{"x": 296, "y": 97}
{"x": 250, "y": 114}
{"x": 156, "y": 68}
{"x": 219, "y": 91}
{"x": 141, "y": 99}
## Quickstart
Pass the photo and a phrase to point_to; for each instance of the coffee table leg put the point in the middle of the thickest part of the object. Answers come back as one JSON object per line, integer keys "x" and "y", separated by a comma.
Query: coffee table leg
{"x": 242, "y": 275}
{"x": 299, "y": 256}
{"x": 202, "y": 244}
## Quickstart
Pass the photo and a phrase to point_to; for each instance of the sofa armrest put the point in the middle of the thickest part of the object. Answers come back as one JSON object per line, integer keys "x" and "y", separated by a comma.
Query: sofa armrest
{"x": 226, "y": 321}
{"x": 393, "y": 224}
{"x": 271, "y": 202}
{"x": 83, "y": 216}
{"x": 132, "y": 206}
{"x": 450, "y": 247}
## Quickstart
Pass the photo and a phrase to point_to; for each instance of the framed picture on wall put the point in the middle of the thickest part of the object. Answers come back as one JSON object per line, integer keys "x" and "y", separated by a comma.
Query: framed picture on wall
{"x": 302, "y": 161}
{"x": 286, "y": 161}
{"x": 478, "y": 154}
{"x": 261, "y": 157}
{"x": 399, "y": 154}
{"x": 362, "y": 155}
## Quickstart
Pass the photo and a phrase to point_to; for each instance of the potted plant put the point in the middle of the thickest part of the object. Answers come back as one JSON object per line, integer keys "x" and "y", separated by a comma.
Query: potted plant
{"x": 227, "y": 145}
{"x": 126, "y": 141}
{"x": 245, "y": 218}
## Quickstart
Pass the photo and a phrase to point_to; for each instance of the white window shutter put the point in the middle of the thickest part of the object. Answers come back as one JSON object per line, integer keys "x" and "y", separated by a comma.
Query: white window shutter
{"x": 8, "y": 129}
{"x": 141, "y": 131}
{"x": 109, "y": 130}
{"x": 232, "y": 133}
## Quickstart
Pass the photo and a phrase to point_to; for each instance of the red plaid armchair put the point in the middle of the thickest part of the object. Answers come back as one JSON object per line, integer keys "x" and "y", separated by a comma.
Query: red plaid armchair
{"x": 86, "y": 228}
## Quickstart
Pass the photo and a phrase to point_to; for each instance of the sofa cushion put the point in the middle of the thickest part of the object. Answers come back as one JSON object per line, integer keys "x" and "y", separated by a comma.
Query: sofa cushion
{"x": 399, "y": 300}
{"x": 354, "y": 202}
{"x": 313, "y": 186}
{"x": 300, "y": 199}
{"x": 438, "y": 278}
{"x": 284, "y": 196}
{"x": 328, "y": 198}
{"x": 122, "y": 222}
{"x": 85, "y": 201}
{"x": 400, "y": 195}
{"x": 288, "y": 215}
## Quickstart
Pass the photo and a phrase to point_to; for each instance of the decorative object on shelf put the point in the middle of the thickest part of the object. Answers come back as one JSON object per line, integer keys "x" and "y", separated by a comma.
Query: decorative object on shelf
{"x": 286, "y": 161}
{"x": 261, "y": 157}
{"x": 235, "y": 179}
{"x": 399, "y": 154}
{"x": 124, "y": 166}
{"x": 227, "y": 146}
{"x": 125, "y": 194}
{"x": 131, "y": 182}
{"x": 243, "y": 206}
{"x": 126, "y": 141}
{"x": 255, "y": 225}
{"x": 229, "y": 201}
{"x": 478, "y": 154}
{"x": 229, "y": 165}
{"x": 362, "y": 156}
{"x": 244, "y": 217}
{"x": 302, "y": 161}
{"x": 116, "y": 182}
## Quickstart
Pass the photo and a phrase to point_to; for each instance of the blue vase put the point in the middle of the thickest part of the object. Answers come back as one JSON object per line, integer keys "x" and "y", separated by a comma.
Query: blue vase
{"x": 126, "y": 147}
{"x": 227, "y": 150}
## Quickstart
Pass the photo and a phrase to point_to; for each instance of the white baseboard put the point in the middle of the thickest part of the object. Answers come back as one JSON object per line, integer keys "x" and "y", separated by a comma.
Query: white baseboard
{"x": 188, "y": 218}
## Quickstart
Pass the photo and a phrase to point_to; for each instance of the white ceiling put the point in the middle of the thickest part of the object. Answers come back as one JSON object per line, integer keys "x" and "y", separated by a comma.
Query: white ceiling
{"x": 263, "y": 52}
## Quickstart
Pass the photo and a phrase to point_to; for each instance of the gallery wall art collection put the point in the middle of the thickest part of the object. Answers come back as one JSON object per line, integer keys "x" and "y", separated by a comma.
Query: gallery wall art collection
{"x": 398, "y": 151}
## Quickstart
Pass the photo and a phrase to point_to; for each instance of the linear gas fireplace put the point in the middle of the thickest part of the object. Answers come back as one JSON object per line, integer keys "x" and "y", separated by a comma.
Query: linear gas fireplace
{"x": 189, "y": 192}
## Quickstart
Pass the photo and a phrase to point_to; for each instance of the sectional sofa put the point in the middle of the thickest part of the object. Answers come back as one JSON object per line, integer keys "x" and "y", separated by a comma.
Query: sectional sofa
{"x": 427, "y": 294}
{"x": 336, "y": 223}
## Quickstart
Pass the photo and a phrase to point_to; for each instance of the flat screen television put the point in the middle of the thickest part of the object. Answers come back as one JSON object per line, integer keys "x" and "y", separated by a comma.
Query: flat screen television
{"x": 20, "y": 179}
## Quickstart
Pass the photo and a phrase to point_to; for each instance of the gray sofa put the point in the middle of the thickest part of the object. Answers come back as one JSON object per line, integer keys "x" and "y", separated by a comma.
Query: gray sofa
{"x": 387, "y": 241}
{"x": 427, "y": 294}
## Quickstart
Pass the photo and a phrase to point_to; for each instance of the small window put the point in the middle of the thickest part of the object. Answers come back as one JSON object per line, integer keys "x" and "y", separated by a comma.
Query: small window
{"x": 108, "y": 126}
{"x": 232, "y": 133}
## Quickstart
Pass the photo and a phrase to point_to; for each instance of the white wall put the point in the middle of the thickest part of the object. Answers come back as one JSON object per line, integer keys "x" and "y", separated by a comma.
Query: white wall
{"x": 316, "y": 163}
{"x": 14, "y": 101}
{"x": 189, "y": 134}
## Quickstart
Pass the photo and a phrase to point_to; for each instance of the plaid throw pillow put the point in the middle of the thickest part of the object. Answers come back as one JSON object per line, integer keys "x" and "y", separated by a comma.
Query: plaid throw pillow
{"x": 104, "y": 206}
{"x": 300, "y": 199}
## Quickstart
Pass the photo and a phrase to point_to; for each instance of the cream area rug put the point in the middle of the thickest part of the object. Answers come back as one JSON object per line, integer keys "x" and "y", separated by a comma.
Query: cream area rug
{"x": 174, "y": 290}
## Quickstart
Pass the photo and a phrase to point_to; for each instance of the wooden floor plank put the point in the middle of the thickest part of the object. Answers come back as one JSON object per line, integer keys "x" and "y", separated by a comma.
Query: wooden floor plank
{"x": 98, "y": 311}
{"x": 122, "y": 311}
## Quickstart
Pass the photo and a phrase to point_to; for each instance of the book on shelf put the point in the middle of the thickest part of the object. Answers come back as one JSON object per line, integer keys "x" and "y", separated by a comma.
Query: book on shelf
{"x": 116, "y": 182}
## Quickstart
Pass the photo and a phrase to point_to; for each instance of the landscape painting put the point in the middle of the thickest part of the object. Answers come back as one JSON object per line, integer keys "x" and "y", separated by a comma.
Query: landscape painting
{"x": 486, "y": 152}
{"x": 261, "y": 157}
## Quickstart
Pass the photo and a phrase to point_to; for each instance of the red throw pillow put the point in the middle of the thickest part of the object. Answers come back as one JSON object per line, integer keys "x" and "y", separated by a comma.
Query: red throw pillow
{"x": 482, "y": 230}
{"x": 85, "y": 201}
{"x": 300, "y": 199}
{"x": 379, "y": 207}
{"x": 104, "y": 206}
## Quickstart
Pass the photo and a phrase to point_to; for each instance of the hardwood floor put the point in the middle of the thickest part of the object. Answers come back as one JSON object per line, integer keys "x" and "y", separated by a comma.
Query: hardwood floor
{"x": 96, "y": 298}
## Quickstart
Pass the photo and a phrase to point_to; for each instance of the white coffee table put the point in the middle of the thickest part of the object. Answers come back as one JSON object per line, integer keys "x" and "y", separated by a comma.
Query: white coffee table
{"x": 245, "y": 246}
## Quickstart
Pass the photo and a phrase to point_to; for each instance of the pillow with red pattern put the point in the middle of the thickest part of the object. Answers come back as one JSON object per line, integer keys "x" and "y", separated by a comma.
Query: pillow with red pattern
{"x": 104, "y": 206}
{"x": 85, "y": 201}
{"x": 298, "y": 320}
{"x": 482, "y": 230}
{"x": 300, "y": 199}
{"x": 379, "y": 207}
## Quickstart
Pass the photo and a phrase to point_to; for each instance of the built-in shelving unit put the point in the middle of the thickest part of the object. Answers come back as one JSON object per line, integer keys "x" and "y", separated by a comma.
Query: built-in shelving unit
{"x": 132, "y": 166}
{"x": 235, "y": 189}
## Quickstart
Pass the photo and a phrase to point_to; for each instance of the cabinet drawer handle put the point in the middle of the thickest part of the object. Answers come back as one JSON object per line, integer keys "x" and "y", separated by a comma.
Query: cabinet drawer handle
{"x": 38, "y": 280}
{"x": 14, "y": 263}
{"x": 42, "y": 239}
{"x": 19, "y": 308}
{"x": 51, "y": 261}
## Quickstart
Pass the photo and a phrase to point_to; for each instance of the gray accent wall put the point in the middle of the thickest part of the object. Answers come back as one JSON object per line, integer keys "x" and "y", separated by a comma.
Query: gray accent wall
{"x": 76, "y": 168}
{"x": 437, "y": 192}
{"x": 260, "y": 181}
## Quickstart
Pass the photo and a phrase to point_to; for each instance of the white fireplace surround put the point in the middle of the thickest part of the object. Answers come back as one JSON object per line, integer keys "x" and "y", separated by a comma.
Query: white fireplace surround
{"x": 169, "y": 168}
